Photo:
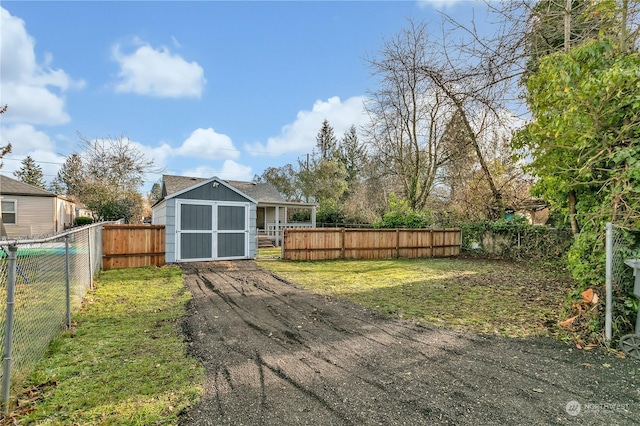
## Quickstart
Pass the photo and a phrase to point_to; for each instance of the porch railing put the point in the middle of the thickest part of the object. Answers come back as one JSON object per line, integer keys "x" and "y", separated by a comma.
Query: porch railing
{"x": 271, "y": 227}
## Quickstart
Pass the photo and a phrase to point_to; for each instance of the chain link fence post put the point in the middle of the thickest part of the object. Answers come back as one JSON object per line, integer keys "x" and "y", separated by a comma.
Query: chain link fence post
{"x": 609, "y": 282}
{"x": 67, "y": 279}
{"x": 8, "y": 335}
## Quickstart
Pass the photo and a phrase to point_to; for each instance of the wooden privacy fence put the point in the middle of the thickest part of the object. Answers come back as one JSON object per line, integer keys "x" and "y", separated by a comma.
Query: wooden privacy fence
{"x": 343, "y": 243}
{"x": 132, "y": 246}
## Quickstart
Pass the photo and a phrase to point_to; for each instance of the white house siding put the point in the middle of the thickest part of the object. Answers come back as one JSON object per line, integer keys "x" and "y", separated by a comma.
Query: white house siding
{"x": 35, "y": 216}
{"x": 65, "y": 214}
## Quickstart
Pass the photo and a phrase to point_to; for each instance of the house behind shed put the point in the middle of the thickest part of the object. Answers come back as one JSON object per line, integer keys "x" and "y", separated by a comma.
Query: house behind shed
{"x": 29, "y": 211}
{"x": 209, "y": 220}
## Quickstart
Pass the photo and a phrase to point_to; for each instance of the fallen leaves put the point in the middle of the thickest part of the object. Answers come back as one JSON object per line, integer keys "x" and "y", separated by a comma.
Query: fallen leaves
{"x": 589, "y": 302}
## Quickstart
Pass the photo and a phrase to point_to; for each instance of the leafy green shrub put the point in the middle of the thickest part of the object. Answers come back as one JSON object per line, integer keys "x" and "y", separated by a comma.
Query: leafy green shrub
{"x": 82, "y": 220}
{"x": 301, "y": 216}
{"x": 586, "y": 262}
{"x": 400, "y": 215}
{"x": 330, "y": 213}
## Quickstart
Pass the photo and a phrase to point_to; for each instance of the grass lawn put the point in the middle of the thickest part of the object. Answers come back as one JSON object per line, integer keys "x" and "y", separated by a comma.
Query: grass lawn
{"x": 125, "y": 363}
{"x": 269, "y": 253}
{"x": 486, "y": 296}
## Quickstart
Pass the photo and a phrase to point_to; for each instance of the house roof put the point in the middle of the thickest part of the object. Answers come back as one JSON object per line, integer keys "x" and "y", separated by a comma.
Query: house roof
{"x": 197, "y": 182}
{"x": 9, "y": 186}
{"x": 260, "y": 192}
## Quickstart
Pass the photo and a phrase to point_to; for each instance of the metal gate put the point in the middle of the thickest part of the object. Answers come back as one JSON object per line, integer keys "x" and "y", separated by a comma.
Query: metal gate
{"x": 208, "y": 230}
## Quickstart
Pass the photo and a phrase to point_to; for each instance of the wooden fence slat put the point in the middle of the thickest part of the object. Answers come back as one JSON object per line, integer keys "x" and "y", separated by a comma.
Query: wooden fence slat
{"x": 132, "y": 246}
{"x": 359, "y": 243}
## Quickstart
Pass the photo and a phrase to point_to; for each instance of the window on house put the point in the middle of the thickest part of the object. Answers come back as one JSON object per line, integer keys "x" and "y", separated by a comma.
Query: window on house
{"x": 9, "y": 208}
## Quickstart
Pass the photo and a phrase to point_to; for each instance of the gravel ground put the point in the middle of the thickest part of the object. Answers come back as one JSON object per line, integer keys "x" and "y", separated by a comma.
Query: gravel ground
{"x": 276, "y": 354}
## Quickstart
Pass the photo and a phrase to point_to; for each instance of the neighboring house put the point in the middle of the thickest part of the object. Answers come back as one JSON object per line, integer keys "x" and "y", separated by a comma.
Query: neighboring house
{"x": 29, "y": 211}
{"x": 535, "y": 210}
{"x": 82, "y": 210}
{"x": 212, "y": 219}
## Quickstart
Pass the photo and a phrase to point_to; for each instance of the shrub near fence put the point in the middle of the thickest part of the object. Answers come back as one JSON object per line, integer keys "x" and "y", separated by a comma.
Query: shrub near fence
{"x": 343, "y": 243}
{"x": 516, "y": 239}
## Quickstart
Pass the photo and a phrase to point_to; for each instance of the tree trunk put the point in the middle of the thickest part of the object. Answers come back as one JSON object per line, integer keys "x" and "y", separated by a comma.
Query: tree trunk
{"x": 573, "y": 200}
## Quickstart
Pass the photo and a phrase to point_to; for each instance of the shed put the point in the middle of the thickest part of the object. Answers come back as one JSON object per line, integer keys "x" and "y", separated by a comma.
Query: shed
{"x": 273, "y": 211}
{"x": 208, "y": 220}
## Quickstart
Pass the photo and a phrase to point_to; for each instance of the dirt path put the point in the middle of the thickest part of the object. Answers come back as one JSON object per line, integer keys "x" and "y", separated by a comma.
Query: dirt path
{"x": 276, "y": 354}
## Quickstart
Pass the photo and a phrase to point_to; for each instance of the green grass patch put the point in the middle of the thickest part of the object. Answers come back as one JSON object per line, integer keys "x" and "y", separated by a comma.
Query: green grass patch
{"x": 126, "y": 363}
{"x": 506, "y": 298}
{"x": 269, "y": 253}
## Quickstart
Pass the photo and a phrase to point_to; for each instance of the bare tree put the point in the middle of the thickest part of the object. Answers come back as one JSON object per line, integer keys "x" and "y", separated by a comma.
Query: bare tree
{"x": 407, "y": 114}
{"x": 114, "y": 169}
{"x": 4, "y": 150}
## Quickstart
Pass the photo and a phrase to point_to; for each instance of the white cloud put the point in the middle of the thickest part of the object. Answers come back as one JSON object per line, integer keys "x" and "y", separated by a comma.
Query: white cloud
{"x": 206, "y": 143}
{"x": 300, "y": 136}
{"x": 230, "y": 170}
{"x": 158, "y": 72}
{"x": 26, "y": 85}
{"x": 24, "y": 138}
{"x": 440, "y": 4}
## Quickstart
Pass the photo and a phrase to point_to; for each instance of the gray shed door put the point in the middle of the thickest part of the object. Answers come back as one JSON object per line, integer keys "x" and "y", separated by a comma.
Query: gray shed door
{"x": 212, "y": 230}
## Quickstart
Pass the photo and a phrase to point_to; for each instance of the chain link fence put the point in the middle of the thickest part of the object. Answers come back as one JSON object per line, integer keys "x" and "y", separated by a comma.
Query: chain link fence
{"x": 42, "y": 284}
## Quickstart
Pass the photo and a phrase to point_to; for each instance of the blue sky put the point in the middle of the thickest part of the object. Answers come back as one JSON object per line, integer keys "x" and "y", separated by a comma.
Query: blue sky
{"x": 204, "y": 88}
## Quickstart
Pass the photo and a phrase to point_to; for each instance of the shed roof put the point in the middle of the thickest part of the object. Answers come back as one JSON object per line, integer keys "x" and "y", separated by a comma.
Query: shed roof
{"x": 261, "y": 192}
{"x": 9, "y": 186}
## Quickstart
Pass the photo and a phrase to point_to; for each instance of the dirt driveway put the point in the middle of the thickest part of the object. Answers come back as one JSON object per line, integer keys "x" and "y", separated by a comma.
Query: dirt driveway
{"x": 276, "y": 354}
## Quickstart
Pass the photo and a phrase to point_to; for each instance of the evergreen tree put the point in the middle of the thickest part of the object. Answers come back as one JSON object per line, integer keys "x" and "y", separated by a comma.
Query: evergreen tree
{"x": 30, "y": 173}
{"x": 155, "y": 194}
{"x": 71, "y": 176}
{"x": 352, "y": 154}
{"x": 326, "y": 142}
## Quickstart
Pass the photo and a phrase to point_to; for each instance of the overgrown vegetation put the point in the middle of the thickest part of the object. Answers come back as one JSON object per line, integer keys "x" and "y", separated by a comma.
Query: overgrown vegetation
{"x": 506, "y": 298}
{"x": 516, "y": 239}
{"x": 124, "y": 362}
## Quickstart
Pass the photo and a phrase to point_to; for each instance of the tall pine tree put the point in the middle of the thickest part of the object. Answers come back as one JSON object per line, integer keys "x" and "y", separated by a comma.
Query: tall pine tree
{"x": 326, "y": 142}
{"x": 71, "y": 176}
{"x": 352, "y": 153}
{"x": 30, "y": 173}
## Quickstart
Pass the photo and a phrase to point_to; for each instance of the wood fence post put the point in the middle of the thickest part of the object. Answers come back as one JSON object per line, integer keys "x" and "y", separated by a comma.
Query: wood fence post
{"x": 397, "y": 243}
{"x": 343, "y": 248}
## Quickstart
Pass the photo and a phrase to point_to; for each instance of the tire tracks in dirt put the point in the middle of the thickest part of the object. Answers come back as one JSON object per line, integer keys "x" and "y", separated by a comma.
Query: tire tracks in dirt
{"x": 276, "y": 354}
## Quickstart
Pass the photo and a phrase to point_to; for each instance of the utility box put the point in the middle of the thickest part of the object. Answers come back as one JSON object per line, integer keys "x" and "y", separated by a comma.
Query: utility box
{"x": 630, "y": 343}
{"x": 635, "y": 264}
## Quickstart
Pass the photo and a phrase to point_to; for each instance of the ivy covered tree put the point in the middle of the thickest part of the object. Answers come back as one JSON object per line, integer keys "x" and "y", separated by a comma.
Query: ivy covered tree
{"x": 30, "y": 173}
{"x": 583, "y": 140}
{"x": 584, "y": 133}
